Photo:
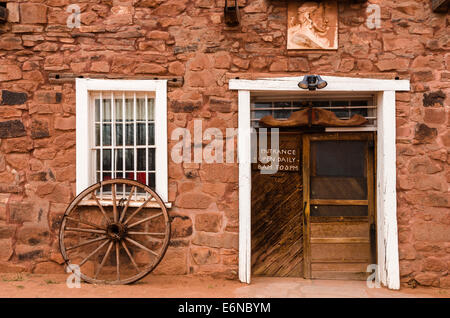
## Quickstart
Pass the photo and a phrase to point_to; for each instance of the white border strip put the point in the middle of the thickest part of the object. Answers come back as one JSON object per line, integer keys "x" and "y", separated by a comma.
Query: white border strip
{"x": 83, "y": 131}
{"x": 335, "y": 84}
{"x": 387, "y": 237}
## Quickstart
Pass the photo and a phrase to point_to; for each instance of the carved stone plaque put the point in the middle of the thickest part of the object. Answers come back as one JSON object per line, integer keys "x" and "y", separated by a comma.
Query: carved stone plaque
{"x": 312, "y": 25}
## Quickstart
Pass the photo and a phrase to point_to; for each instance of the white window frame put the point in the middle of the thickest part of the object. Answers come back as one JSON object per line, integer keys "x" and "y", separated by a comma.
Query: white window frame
{"x": 384, "y": 90}
{"x": 84, "y": 132}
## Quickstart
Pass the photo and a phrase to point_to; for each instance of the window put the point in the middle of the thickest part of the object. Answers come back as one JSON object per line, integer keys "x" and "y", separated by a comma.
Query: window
{"x": 122, "y": 132}
{"x": 344, "y": 108}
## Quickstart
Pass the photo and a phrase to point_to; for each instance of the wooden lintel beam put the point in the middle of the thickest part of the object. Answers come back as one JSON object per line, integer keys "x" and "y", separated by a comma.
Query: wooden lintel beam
{"x": 58, "y": 78}
{"x": 440, "y": 5}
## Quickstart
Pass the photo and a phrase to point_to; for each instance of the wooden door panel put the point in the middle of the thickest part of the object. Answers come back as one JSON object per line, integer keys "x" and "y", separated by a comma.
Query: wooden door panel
{"x": 339, "y": 229}
{"x": 339, "y": 267}
{"x": 336, "y": 252}
{"x": 277, "y": 233}
{"x": 339, "y": 275}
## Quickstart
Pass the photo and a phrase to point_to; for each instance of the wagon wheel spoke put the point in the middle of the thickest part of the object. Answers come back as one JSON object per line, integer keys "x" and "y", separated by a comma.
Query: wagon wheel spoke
{"x": 144, "y": 220}
{"x": 87, "y": 243}
{"x": 118, "y": 260}
{"x": 145, "y": 233}
{"x": 111, "y": 243}
{"x": 93, "y": 252}
{"x": 86, "y": 223}
{"x": 113, "y": 190}
{"x": 137, "y": 210}
{"x": 108, "y": 220}
{"x": 125, "y": 247}
{"x": 77, "y": 229}
{"x": 128, "y": 203}
{"x": 141, "y": 246}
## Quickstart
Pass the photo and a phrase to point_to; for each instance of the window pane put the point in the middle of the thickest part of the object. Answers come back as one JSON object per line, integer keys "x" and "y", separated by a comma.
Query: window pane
{"x": 119, "y": 134}
{"x": 261, "y": 113}
{"x": 118, "y": 157}
{"x": 140, "y": 131}
{"x": 106, "y": 176}
{"x": 141, "y": 160}
{"x": 140, "y": 109}
{"x": 340, "y": 112}
{"x": 141, "y": 177}
{"x": 97, "y": 160}
{"x": 338, "y": 170}
{"x": 106, "y": 188}
{"x": 129, "y": 159}
{"x": 129, "y": 134}
{"x": 151, "y": 134}
{"x": 362, "y": 112}
{"x": 107, "y": 159}
{"x": 359, "y": 103}
{"x": 301, "y": 104}
{"x": 151, "y": 159}
{"x": 151, "y": 181}
{"x": 339, "y": 158}
{"x": 97, "y": 134}
{"x": 118, "y": 109}
{"x": 129, "y": 109}
{"x": 339, "y": 188}
{"x": 97, "y": 110}
{"x": 282, "y": 113}
{"x": 320, "y": 103}
{"x": 106, "y": 134}
{"x": 263, "y": 105}
{"x": 107, "y": 110}
{"x": 151, "y": 109}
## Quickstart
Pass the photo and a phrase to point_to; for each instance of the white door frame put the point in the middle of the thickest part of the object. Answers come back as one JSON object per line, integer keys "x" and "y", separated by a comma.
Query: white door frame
{"x": 384, "y": 90}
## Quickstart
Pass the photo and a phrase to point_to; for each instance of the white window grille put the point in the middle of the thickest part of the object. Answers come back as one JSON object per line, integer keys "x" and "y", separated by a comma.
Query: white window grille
{"x": 124, "y": 136}
{"x": 343, "y": 107}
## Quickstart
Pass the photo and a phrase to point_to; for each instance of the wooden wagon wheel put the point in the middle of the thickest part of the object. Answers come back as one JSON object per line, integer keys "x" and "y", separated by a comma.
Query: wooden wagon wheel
{"x": 103, "y": 220}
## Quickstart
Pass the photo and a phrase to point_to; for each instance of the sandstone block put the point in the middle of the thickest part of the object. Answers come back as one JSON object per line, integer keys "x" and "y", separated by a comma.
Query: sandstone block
{"x": 5, "y": 249}
{"x": 181, "y": 226}
{"x": 208, "y": 222}
{"x": 48, "y": 268}
{"x": 13, "y": 98}
{"x": 11, "y": 129}
{"x": 39, "y": 129}
{"x": 173, "y": 263}
{"x": 33, "y": 234}
{"x": 204, "y": 256}
{"x": 222, "y": 240}
{"x": 65, "y": 123}
{"x": 9, "y": 72}
{"x": 33, "y": 13}
{"x": 193, "y": 200}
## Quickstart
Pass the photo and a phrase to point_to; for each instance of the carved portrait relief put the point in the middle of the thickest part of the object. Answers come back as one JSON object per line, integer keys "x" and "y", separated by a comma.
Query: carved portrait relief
{"x": 312, "y": 25}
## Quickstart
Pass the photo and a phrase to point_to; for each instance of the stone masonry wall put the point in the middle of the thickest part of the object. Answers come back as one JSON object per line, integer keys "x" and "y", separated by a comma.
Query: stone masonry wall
{"x": 188, "y": 38}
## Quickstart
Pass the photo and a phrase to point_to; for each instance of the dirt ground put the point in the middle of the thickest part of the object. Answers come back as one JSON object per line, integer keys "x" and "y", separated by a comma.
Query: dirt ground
{"x": 50, "y": 286}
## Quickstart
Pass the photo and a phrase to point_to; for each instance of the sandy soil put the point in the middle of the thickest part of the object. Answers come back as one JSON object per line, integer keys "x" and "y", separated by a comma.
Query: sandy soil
{"x": 50, "y": 286}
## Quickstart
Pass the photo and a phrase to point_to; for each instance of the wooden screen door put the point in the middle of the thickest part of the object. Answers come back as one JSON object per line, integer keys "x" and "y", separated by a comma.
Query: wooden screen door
{"x": 339, "y": 220}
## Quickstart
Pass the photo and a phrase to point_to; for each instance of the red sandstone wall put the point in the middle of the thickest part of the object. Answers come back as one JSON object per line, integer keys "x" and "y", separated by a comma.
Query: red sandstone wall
{"x": 188, "y": 38}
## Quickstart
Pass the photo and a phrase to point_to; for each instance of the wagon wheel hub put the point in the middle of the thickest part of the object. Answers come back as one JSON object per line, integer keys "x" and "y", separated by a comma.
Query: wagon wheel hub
{"x": 116, "y": 231}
